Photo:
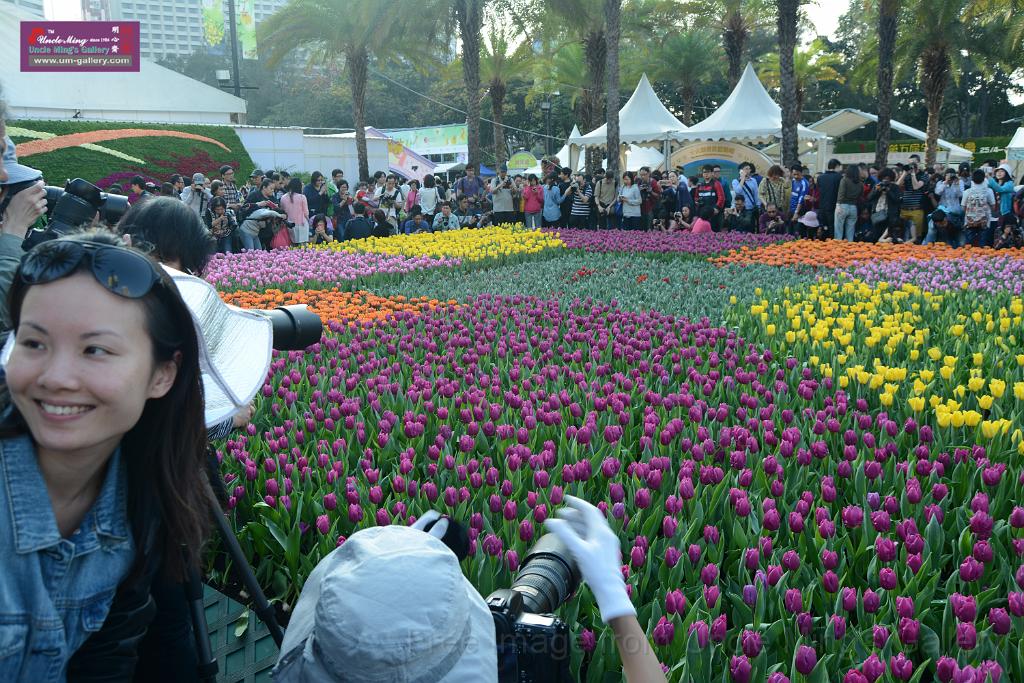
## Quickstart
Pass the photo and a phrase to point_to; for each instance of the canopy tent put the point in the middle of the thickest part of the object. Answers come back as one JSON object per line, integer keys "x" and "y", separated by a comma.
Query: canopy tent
{"x": 847, "y": 120}
{"x": 1015, "y": 153}
{"x": 642, "y": 119}
{"x": 748, "y": 115}
{"x": 153, "y": 95}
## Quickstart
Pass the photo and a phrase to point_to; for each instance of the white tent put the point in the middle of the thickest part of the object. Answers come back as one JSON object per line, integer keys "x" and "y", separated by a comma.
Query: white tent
{"x": 846, "y": 120}
{"x": 153, "y": 94}
{"x": 1015, "y": 153}
{"x": 642, "y": 119}
{"x": 636, "y": 156}
{"x": 748, "y": 115}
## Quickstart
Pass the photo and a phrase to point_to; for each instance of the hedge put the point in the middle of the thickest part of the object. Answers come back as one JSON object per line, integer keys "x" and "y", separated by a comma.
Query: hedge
{"x": 163, "y": 156}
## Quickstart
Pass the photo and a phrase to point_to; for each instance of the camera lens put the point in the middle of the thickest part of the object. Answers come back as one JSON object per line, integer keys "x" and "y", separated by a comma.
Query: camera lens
{"x": 548, "y": 576}
{"x": 295, "y": 327}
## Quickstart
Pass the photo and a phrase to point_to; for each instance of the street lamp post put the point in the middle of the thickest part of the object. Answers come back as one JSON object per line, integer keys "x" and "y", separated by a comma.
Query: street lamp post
{"x": 545, "y": 107}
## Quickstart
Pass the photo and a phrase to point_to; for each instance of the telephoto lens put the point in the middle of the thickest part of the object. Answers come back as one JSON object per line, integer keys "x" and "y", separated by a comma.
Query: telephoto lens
{"x": 295, "y": 327}
{"x": 548, "y": 576}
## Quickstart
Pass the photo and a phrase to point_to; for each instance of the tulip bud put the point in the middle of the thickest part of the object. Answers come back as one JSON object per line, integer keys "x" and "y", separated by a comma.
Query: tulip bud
{"x": 739, "y": 669}
{"x": 804, "y": 623}
{"x": 901, "y": 667}
{"x": 750, "y": 643}
{"x": 1000, "y": 620}
{"x": 664, "y": 632}
{"x": 838, "y": 626}
{"x": 871, "y": 601}
{"x": 719, "y": 628}
{"x": 879, "y": 636}
{"x": 806, "y": 659}
{"x": 966, "y": 636}
{"x": 703, "y": 633}
{"x": 946, "y": 669}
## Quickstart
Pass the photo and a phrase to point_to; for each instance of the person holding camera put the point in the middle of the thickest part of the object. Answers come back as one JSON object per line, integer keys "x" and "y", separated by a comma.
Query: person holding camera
{"x": 884, "y": 201}
{"x": 470, "y": 186}
{"x": 103, "y": 451}
{"x": 738, "y": 217}
{"x": 913, "y": 184}
{"x": 315, "y": 192}
{"x": 445, "y": 219}
{"x": 341, "y": 205}
{"x": 771, "y": 222}
{"x": 708, "y": 194}
{"x": 429, "y": 198}
{"x": 503, "y": 195}
{"x": 650, "y": 195}
{"x": 18, "y": 213}
{"x": 746, "y": 185}
{"x": 196, "y": 196}
{"x": 221, "y": 222}
{"x": 582, "y": 193}
{"x": 631, "y": 201}
{"x": 605, "y": 194}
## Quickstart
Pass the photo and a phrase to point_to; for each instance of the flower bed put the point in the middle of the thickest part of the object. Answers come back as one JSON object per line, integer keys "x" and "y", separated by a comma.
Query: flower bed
{"x": 341, "y": 307}
{"x": 772, "y": 522}
{"x": 295, "y": 269}
{"x": 636, "y": 282}
{"x": 662, "y": 242}
{"x": 841, "y": 254}
{"x": 466, "y": 245}
{"x": 995, "y": 274}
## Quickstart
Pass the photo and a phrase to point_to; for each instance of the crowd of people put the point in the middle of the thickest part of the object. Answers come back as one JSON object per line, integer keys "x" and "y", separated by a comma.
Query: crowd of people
{"x": 856, "y": 202}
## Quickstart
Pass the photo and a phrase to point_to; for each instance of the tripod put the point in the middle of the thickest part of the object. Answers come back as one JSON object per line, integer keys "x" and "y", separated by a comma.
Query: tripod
{"x": 207, "y": 667}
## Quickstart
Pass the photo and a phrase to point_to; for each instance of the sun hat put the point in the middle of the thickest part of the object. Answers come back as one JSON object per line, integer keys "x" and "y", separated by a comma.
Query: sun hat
{"x": 391, "y": 604}
{"x": 235, "y": 347}
{"x": 17, "y": 173}
{"x": 810, "y": 219}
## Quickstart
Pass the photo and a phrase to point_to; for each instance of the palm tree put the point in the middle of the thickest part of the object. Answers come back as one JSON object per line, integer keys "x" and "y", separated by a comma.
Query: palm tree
{"x": 469, "y": 15}
{"x": 696, "y": 60}
{"x": 787, "y": 18}
{"x": 499, "y": 64}
{"x": 810, "y": 66}
{"x": 612, "y": 31}
{"x": 735, "y": 20}
{"x": 888, "y": 21}
{"x": 357, "y": 33}
{"x": 1008, "y": 15}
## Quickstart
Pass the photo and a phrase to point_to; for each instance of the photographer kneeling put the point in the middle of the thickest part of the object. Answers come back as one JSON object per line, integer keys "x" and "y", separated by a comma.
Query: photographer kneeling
{"x": 101, "y": 453}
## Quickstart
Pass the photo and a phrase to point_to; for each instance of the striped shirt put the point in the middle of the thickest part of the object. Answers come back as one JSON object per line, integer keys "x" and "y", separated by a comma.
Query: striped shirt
{"x": 581, "y": 200}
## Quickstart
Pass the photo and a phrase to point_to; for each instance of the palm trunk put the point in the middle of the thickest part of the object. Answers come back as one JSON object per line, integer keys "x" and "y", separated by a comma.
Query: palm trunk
{"x": 935, "y": 64}
{"x": 469, "y": 15}
{"x": 735, "y": 34}
{"x": 497, "y": 109}
{"x": 357, "y": 62}
{"x": 787, "y": 77}
{"x": 888, "y": 18}
{"x": 595, "y": 53}
{"x": 612, "y": 32}
{"x": 688, "y": 94}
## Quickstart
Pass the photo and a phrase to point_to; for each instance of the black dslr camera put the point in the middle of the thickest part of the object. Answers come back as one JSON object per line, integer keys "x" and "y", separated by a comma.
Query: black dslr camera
{"x": 534, "y": 646}
{"x": 73, "y": 207}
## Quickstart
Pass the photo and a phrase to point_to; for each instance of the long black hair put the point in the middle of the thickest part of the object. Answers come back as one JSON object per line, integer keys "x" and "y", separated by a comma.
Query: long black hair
{"x": 174, "y": 230}
{"x": 164, "y": 452}
{"x": 853, "y": 172}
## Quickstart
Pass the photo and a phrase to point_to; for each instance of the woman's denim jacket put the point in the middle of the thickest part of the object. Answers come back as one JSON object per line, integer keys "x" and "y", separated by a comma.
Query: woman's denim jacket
{"x": 54, "y": 592}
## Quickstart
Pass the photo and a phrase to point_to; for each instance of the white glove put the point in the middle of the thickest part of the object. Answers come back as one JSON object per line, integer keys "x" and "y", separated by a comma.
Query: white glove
{"x": 437, "y": 531}
{"x": 596, "y": 549}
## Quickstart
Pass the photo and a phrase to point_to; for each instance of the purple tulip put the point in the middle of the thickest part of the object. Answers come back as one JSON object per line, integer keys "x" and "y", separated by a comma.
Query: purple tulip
{"x": 971, "y": 569}
{"x": 664, "y": 632}
{"x": 672, "y": 556}
{"x": 703, "y": 633}
{"x": 991, "y": 669}
{"x": 778, "y": 677}
{"x": 854, "y": 676}
{"x": 838, "y": 626}
{"x": 852, "y": 516}
{"x": 905, "y": 606}
{"x": 588, "y": 641}
{"x": 793, "y": 601}
{"x": 871, "y": 601}
{"x": 879, "y": 636}
{"x": 806, "y": 659}
{"x": 749, "y": 594}
{"x": 739, "y": 669}
{"x": 711, "y": 594}
{"x": 750, "y": 643}
{"x": 1016, "y": 604}
{"x": 492, "y": 545}
{"x": 964, "y": 607}
{"x": 709, "y": 574}
{"x": 804, "y": 623}
{"x": 719, "y": 628}
{"x": 675, "y": 602}
{"x": 873, "y": 668}
{"x": 355, "y": 514}
{"x": 946, "y": 669}
{"x": 901, "y": 667}
{"x": 830, "y": 582}
{"x": 849, "y": 597}
{"x": 908, "y": 630}
{"x": 966, "y": 636}
{"x": 1000, "y": 620}
{"x": 887, "y": 578}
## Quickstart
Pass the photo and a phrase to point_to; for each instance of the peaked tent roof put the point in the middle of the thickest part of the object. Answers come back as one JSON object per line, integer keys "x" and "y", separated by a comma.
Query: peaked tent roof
{"x": 748, "y": 115}
{"x": 846, "y": 120}
{"x": 642, "y": 119}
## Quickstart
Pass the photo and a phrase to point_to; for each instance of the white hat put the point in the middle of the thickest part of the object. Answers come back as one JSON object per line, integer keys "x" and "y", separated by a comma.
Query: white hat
{"x": 16, "y": 173}
{"x": 810, "y": 219}
{"x": 391, "y": 604}
{"x": 235, "y": 347}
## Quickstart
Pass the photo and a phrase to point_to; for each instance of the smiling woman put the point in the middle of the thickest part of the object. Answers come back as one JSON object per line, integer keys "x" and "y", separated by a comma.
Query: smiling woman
{"x": 101, "y": 457}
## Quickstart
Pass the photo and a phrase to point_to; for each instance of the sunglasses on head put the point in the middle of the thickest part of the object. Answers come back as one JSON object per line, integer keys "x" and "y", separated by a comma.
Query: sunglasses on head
{"x": 121, "y": 271}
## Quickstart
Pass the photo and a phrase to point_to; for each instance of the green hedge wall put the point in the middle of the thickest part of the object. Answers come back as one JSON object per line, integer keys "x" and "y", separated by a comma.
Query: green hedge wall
{"x": 163, "y": 156}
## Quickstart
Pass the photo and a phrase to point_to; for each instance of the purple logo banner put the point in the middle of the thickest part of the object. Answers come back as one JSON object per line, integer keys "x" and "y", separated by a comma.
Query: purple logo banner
{"x": 79, "y": 46}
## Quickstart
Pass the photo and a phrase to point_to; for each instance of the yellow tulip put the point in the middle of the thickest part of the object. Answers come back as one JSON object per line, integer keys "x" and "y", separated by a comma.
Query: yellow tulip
{"x": 972, "y": 418}
{"x": 944, "y": 419}
{"x": 976, "y": 384}
{"x": 957, "y": 418}
{"x": 1018, "y": 391}
{"x": 996, "y": 387}
{"x": 978, "y": 359}
{"x": 985, "y": 402}
{"x": 916, "y": 404}
{"x": 934, "y": 353}
{"x": 946, "y": 372}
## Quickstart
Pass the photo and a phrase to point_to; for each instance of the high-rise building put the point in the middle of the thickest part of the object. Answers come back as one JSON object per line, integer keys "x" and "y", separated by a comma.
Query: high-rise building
{"x": 170, "y": 28}
{"x": 96, "y": 10}
{"x": 33, "y": 7}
